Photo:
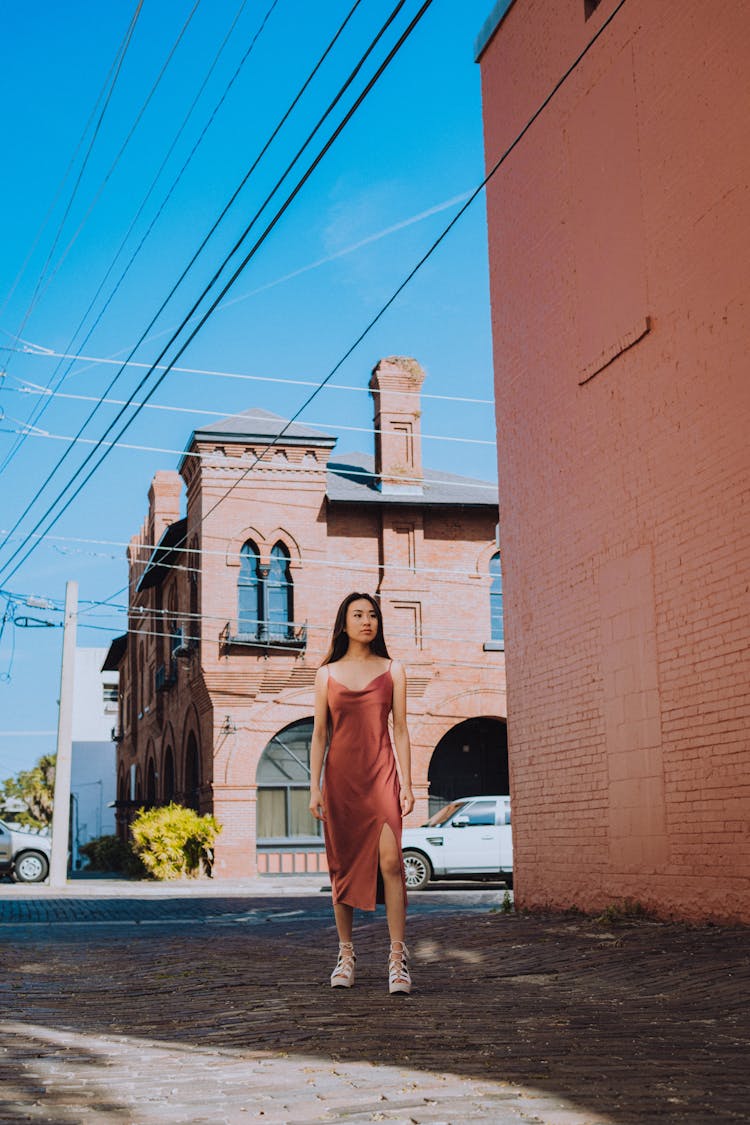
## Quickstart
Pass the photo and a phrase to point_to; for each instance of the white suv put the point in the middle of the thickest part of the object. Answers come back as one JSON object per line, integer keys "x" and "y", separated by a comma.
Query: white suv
{"x": 24, "y": 854}
{"x": 469, "y": 838}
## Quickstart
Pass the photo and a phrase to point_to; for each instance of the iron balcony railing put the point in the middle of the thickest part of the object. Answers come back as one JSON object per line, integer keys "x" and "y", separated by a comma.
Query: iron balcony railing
{"x": 280, "y": 635}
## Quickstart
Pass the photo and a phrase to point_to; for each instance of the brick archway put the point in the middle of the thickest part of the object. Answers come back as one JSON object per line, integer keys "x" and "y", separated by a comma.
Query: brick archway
{"x": 471, "y": 759}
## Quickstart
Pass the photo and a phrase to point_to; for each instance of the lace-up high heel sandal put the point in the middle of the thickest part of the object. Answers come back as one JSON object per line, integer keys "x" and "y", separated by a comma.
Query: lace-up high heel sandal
{"x": 399, "y": 981}
{"x": 343, "y": 975}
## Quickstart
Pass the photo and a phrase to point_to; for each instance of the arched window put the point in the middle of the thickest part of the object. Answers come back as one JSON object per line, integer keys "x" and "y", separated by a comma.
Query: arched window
{"x": 279, "y": 586}
{"x": 283, "y": 780}
{"x": 250, "y": 591}
{"x": 265, "y": 595}
{"x": 168, "y": 780}
{"x": 150, "y": 783}
{"x": 497, "y": 632}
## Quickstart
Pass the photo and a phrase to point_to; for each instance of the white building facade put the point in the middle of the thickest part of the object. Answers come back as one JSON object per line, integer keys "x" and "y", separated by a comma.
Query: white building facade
{"x": 93, "y": 778}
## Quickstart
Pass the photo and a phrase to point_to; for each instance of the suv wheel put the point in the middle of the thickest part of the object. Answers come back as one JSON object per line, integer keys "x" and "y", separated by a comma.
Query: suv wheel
{"x": 417, "y": 870}
{"x": 31, "y": 867}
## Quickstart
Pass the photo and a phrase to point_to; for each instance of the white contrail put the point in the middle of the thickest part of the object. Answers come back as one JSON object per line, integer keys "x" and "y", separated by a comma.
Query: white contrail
{"x": 444, "y": 206}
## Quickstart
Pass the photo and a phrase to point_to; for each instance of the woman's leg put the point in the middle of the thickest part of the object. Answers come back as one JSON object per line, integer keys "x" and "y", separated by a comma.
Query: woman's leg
{"x": 343, "y": 974}
{"x": 391, "y": 868}
{"x": 344, "y": 915}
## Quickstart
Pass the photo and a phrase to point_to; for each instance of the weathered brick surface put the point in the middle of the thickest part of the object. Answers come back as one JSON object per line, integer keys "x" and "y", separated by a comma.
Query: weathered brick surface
{"x": 558, "y": 1019}
{"x": 620, "y": 265}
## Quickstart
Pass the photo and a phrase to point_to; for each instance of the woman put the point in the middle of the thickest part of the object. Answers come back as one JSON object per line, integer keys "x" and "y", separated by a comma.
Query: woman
{"x": 366, "y": 790}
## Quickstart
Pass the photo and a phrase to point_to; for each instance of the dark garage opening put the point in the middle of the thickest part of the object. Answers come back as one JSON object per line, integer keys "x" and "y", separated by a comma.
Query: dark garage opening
{"x": 470, "y": 760}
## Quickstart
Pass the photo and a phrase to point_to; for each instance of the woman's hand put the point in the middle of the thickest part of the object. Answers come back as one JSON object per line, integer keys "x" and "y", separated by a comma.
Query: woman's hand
{"x": 407, "y": 800}
{"x": 317, "y": 808}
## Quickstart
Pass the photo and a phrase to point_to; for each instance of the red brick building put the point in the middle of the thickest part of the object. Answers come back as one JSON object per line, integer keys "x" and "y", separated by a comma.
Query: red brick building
{"x": 619, "y": 233}
{"x": 231, "y": 607}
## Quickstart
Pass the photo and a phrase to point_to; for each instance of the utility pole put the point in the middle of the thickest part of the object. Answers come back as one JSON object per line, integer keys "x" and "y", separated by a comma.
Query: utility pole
{"x": 58, "y": 872}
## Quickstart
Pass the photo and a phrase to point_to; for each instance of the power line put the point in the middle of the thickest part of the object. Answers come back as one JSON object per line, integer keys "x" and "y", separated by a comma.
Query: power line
{"x": 256, "y": 246}
{"x": 492, "y": 172}
{"x": 38, "y": 351}
{"x": 120, "y": 51}
{"x": 191, "y": 619}
{"x": 159, "y": 212}
{"x": 38, "y": 293}
{"x": 116, "y": 66}
{"x": 222, "y": 414}
{"x": 462, "y": 210}
{"x": 325, "y": 629}
{"x": 443, "y": 235}
{"x": 376, "y": 568}
{"x": 312, "y": 627}
{"x": 271, "y": 467}
{"x": 394, "y": 634}
{"x": 125, "y": 143}
{"x": 331, "y": 257}
{"x": 274, "y": 133}
{"x": 222, "y": 214}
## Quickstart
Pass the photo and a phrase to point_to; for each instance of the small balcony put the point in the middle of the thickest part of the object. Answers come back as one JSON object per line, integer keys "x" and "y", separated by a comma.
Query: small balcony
{"x": 269, "y": 636}
{"x": 165, "y": 676}
{"x": 182, "y": 645}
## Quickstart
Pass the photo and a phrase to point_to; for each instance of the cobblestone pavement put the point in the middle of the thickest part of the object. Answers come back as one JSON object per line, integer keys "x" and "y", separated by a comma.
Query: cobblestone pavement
{"x": 562, "y": 1020}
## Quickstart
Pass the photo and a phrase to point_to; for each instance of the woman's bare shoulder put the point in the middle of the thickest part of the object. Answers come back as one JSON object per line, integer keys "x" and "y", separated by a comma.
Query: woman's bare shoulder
{"x": 397, "y": 670}
{"x": 321, "y": 676}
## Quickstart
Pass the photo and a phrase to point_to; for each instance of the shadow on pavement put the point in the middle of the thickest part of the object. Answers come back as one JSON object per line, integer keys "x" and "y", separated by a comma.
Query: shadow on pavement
{"x": 634, "y": 1021}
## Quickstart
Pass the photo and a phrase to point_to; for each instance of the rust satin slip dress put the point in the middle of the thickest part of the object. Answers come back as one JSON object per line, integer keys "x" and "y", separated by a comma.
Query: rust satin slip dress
{"x": 360, "y": 790}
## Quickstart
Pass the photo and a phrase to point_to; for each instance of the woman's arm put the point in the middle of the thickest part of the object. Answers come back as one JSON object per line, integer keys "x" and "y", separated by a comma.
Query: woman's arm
{"x": 318, "y": 743}
{"x": 401, "y": 736}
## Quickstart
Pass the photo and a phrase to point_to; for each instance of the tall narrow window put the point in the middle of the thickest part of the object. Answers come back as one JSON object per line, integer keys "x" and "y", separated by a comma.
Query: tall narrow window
{"x": 279, "y": 587}
{"x": 497, "y": 632}
{"x": 168, "y": 779}
{"x": 250, "y": 591}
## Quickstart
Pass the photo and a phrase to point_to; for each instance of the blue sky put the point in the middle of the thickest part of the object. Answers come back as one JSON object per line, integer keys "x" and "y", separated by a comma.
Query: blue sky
{"x": 370, "y": 210}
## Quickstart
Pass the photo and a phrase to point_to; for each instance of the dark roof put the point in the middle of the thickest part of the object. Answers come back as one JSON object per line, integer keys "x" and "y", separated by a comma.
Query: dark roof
{"x": 115, "y": 653}
{"x": 261, "y": 427}
{"x": 351, "y": 479}
{"x": 163, "y": 557}
{"x": 489, "y": 27}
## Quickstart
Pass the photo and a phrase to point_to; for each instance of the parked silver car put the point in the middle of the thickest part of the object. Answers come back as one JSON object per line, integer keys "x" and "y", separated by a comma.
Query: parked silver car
{"x": 24, "y": 854}
{"x": 469, "y": 838}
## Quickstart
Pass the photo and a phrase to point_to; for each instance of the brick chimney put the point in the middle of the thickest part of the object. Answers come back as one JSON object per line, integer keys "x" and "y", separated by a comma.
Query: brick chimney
{"x": 395, "y": 385}
{"x": 163, "y": 502}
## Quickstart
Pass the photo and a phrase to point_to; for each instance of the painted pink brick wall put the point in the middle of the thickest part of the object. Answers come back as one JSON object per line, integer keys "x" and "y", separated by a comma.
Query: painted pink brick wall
{"x": 623, "y": 456}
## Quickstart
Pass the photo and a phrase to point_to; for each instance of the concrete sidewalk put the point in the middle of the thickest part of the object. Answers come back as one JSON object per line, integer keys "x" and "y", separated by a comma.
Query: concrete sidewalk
{"x": 563, "y": 1020}
{"x": 92, "y": 886}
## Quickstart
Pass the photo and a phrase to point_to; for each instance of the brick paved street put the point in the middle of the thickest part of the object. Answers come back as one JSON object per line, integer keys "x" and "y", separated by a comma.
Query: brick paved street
{"x": 132, "y": 1006}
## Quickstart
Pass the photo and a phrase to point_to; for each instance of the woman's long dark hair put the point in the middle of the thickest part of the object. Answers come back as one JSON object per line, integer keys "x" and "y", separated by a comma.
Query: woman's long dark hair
{"x": 340, "y": 641}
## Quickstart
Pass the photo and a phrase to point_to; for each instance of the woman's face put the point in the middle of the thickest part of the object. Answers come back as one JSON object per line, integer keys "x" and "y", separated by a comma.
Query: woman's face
{"x": 361, "y": 621}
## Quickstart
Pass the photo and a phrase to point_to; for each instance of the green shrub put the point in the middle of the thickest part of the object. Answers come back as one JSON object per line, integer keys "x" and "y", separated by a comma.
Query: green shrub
{"x": 173, "y": 842}
{"x": 110, "y": 853}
